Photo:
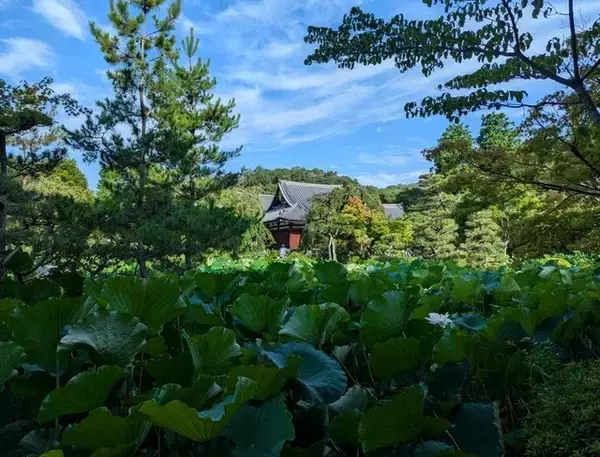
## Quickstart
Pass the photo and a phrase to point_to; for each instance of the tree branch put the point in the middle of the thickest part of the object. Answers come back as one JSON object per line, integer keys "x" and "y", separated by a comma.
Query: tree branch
{"x": 573, "y": 41}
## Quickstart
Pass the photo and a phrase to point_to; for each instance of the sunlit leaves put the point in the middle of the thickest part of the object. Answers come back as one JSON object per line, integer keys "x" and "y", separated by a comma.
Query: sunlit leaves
{"x": 212, "y": 351}
{"x": 199, "y": 425}
{"x": 260, "y": 314}
{"x": 315, "y": 324}
{"x": 154, "y": 301}
{"x": 385, "y": 317}
{"x": 114, "y": 339}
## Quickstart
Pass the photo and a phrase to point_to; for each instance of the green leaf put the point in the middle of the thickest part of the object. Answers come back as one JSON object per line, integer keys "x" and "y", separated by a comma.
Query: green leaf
{"x": 197, "y": 396}
{"x": 174, "y": 370}
{"x": 18, "y": 261}
{"x": 467, "y": 290}
{"x": 344, "y": 428}
{"x": 107, "y": 435}
{"x": 452, "y": 347}
{"x": 260, "y": 314}
{"x": 527, "y": 318}
{"x": 384, "y": 318}
{"x": 395, "y": 422}
{"x": 315, "y": 324}
{"x": 261, "y": 431}
{"x": 154, "y": 301}
{"x": 199, "y": 425}
{"x": 39, "y": 328}
{"x": 355, "y": 398}
{"x": 507, "y": 288}
{"x": 488, "y": 441}
{"x": 269, "y": 380}
{"x": 434, "y": 426}
{"x": 40, "y": 440}
{"x": 395, "y": 356}
{"x": 430, "y": 449}
{"x": 330, "y": 272}
{"x": 321, "y": 378}
{"x": 470, "y": 321}
{"x": 53, "y": 453}
{"x": 114, "y": 338}
{"x": 37, "y": 290}
{"x": 212, "y": 285}
{"x": 84, "y": 392}
{"x": 212, "y": 351}
{"x": 11, "y": 355}
{"x": 427, "y": 304}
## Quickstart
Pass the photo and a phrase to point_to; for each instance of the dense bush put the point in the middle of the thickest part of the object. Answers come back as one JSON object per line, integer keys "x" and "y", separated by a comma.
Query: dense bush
{"x": 292, "y": 359}
{"x": 564, "y": 413}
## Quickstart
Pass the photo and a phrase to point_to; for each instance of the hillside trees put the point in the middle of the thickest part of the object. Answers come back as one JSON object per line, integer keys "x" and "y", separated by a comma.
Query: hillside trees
{"x": 267, "y": 180}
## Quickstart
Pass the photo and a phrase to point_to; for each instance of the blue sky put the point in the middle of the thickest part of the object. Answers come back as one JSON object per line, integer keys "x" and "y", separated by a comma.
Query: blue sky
{"x": 350, "y": 121}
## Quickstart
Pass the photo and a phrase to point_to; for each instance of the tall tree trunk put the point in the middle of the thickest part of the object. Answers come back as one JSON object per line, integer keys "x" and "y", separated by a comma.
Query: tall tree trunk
{"x": 331, "y": 249}
{"x": 188, "y": 246}
{"x": 3, "y": 201}
{"x": 141, "y": 248}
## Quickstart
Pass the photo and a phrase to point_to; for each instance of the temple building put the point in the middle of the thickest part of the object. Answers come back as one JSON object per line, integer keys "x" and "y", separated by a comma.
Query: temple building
{"x": 286, "y": 212}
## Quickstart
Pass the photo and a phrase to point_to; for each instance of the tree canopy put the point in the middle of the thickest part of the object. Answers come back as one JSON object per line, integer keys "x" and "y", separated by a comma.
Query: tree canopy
{"x": 494, "y": 33}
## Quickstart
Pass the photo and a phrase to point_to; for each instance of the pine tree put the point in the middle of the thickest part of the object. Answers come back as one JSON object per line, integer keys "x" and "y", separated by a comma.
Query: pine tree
{"x": 124, "y": 134}
{"x": 483, "y": 246}
{"x": 434, "y": 223}
{"x": 193, "y": 122}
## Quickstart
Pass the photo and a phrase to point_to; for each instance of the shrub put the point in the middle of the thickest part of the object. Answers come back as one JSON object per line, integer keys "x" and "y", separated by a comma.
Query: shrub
{"x": 564, "y": 413}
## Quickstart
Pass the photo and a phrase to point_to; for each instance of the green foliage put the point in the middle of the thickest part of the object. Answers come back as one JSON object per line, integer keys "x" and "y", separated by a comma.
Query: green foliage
{"x": 375, "y": 370}
{"x": 31, "y": 211}
{"x": 397, "y": 421}
{"x": 350, "y": 222}
{"x": 483, "y": 245}
{"x": 267, "y": 180}
{"x": 495, "y": 34}
{"x": 563, "y": 412}
{"x": 84, "y": 392}
{"x": 315, "y": 324}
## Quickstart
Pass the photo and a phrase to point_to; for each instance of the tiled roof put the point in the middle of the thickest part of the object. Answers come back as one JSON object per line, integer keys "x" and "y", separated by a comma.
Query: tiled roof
{"x": 393, "y": 210}
{"x": 293, "y": 201}
{"x": 266, "y": 201}
{"x": 296, "y": 198}
{"x": 302, "y": 193}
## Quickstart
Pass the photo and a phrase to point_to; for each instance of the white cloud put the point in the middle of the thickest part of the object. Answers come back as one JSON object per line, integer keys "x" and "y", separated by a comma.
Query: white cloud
{"x": 21, "y": 54}
{"x": 279, "y": 49}
{"x": 389, "y": 179}
{"x": 65, "y": 15}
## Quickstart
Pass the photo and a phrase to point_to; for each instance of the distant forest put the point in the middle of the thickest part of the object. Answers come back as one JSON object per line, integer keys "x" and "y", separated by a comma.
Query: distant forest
{"x": 266, "y": 180}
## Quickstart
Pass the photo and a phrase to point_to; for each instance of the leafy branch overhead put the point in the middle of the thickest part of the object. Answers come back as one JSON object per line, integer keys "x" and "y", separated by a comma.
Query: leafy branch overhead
{"x": 496, "y": 34}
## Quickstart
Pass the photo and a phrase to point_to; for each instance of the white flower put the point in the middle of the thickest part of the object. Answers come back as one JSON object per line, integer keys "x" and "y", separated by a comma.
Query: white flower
{"x": 433, "y": 367}
{"x": 44, "y": 271}
{"x": 439, "y": 319}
